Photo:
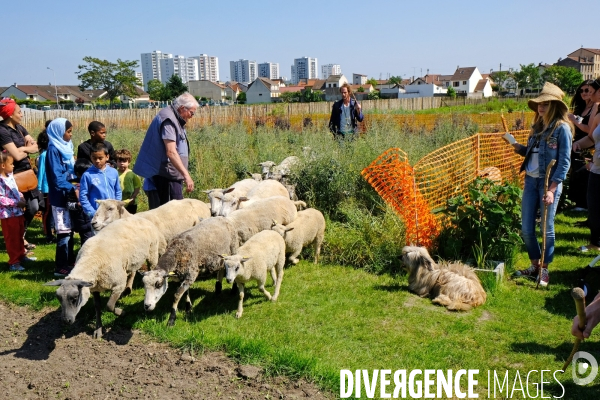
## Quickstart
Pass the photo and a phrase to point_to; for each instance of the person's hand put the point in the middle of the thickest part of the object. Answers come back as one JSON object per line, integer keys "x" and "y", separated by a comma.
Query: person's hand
{"x": 576, "y": 147}
{"x": 22, "y": 202}
{"x": 588, "y": 164}
{"x": 549, "y": 198}
{"x": 357, "y": 106}
{"x": 592, "y": 313}
{"x": 572, "y": 117}
{"x": 189, "y": 183}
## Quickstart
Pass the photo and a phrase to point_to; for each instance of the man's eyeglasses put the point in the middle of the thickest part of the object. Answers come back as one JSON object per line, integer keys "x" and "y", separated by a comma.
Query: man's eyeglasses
{"x": 192, "y": 113}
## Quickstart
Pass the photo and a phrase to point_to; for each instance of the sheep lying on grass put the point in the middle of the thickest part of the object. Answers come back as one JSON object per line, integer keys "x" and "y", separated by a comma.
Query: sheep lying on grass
{"x": 264, "y": 252}
{"x": 104, "y": 263}
{"x": 190, "y": 253}
{"x": 259, "y": 216}
{"x": 264, "y": 189}
{"x": 307, "y": 228}
{"x": 170, "y": 219}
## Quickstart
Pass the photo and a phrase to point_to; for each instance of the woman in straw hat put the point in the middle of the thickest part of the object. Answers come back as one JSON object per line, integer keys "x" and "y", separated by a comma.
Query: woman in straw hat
{"x": 550, "y": 139}
{"x": 593, "y": 191}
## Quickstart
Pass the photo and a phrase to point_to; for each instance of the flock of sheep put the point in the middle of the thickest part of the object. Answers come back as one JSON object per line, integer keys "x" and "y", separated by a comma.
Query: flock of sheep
{"x": 242, "y": 234}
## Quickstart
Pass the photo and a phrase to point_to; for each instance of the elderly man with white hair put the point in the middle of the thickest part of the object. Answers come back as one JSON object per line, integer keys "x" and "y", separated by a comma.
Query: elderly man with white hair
{"x": 163, "y": 157}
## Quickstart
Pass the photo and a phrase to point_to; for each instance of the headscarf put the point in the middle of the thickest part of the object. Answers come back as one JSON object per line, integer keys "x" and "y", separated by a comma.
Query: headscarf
{"x": 7, "y": 108}
{"x": 56, "y": 130}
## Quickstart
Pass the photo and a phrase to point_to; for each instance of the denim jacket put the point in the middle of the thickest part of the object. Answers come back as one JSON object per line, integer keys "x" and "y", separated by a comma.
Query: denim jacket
{"x": 557, "y": 147}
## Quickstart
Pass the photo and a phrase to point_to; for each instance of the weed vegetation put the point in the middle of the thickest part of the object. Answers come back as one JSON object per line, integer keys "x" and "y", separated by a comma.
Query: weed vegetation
{"x": 353, "y": 310}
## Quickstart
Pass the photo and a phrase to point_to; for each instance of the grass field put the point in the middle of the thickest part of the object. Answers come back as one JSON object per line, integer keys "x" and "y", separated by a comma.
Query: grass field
{"x": 340, "y": 314}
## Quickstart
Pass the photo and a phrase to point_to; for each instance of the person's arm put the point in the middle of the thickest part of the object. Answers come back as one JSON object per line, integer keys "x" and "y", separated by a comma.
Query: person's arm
{"x": 178, "y": 164}
{"x": 592, "y": 314}
{"x": 563, "y": 162}
{"x": 332, "y": 123}
{"x": 19, "y": 153}
{"x": 358, "y": 111}
{"x": 112, "y": 155}
{"x": 41, "y": 170}
{"x": 7, "y": 199}
{"x": 137, "y": 185}
{"x": 84, "y": 199}
{"x": 54, "y": 172}
{"x": 118, "y": 191}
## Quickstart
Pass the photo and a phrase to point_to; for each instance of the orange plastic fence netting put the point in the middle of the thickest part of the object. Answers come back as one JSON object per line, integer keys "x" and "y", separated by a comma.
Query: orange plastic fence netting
{"x": 415, "y": 192}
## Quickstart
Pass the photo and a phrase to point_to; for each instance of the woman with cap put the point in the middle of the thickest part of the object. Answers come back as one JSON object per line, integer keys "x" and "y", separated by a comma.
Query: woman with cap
{"x": 584, "y": 110}
{"x": 593, "y": 191}
{"x": 60, "y": 171}
{"x": 15, "y": 139}
{"x": 550, "y": 139}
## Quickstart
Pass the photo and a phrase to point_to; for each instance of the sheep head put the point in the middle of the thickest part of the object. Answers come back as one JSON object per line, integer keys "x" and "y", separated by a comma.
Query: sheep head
{"x": 155, "y": 286}
{"x": 215, "y": 197}
{"x": 109, "y": 211}
{"x": 266, "y": 166}
{"x": 72, "y": 294}
{"x": 230, "y": 203}
{"x": 234, "y": 266}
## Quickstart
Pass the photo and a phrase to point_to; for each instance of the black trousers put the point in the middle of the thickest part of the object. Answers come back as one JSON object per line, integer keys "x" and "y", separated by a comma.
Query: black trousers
{"x": 167, "y": 189}
{"x": 593, "y": 203}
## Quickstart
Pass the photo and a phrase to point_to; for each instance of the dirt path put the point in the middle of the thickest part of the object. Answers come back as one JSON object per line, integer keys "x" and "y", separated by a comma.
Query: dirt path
{"x": 38, "y": 361}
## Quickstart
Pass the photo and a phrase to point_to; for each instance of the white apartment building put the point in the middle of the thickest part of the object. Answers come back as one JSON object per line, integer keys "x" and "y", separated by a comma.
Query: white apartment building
{"x": 151, "y": 66}
{"x": 268, "y": 70}
{"x": 304, "y": 68}
{"x": 243, "y": 71}
{"x": 330, "y": 69}
{"x": 140, "y": 78}
{"x": 185, "y": 68}
{"x": 208, "y": 67}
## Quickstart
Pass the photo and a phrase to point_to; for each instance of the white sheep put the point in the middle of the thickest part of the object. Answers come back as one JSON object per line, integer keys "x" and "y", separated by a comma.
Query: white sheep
{"x": 264, "y": 189}
{"x": 238, "y": 189}
{"x": 285, "y": 167}
{"x": 104, "y": 263}
{"x": 170, "y": 219}
{"x": 307, "y": 228}
{"x": 266, "y": 168}
{"x": 264, "y": 252}
{"x": 194, "y": 251}
{"x": 256, "y": 177}
{"x": 259, "y": 216}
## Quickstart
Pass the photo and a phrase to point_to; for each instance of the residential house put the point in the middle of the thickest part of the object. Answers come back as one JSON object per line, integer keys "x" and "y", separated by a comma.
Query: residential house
{"x": 466, "y": 79}
{"x": 51, "y": 93}
{"x": 584, "y": 60}
{"x": 141, "y": 97}
{"x": 208, "y": 89}
{"x": 262, "y": 90}
{"x": 391, "y": 91}
{"x": 420, "y": 88}
{"x": 335, "y": 81}
{"x": 359, "y": 79}
{"x": 438, "y": 79}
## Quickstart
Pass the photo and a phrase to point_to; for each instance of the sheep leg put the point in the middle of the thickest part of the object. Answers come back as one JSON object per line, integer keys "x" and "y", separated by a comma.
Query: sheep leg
{"x": 294, "y": 256}
{"x": 98, "y": 332}
{"x": 318, "y": 243}
{"x": 240, "y": 308}
{"x": 188, "y": 302}
{"x": 219, "y": 282}
{"x": 112, "y": 301}
{"x": 279, "y": 267}
{"x": 261, "y": 287}
{"x": 129, "y": 286}
{"x": 185, "y": 285}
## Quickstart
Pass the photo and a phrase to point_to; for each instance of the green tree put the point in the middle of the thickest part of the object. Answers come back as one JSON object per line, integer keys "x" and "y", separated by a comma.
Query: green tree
{"x": 156, "y": 90}
{"x": 360, "y": 89}
{"x": 312, "y": 96}
{"x": 566, "y": 78}
{"x": 175, "y": 87}
{"x": 241, "y": 98}
{"x": 372, "y": 81}
{"x": 395, "y": 80}
{"x": 528, "y": 77}
{"x": 117, "y": 79}
{"x": 451, "y": 92}
{"x": 500, "y": 77}
{"x": 290, "y": 97}
{"x": 373, "y": 96}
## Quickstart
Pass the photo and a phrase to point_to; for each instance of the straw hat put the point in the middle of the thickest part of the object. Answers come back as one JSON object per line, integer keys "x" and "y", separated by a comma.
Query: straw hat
{"x": 549, "y": 92}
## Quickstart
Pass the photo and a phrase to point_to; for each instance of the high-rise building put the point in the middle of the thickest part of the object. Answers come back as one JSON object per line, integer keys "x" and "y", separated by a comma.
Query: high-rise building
{"x": 268, "y": 70}
{"x": 330, "y": 69}
{"x": 208, "y": 67}
{"x": 151, "y": 66}
{"x": 185, "y": 68}
{"x": 304, "y": 68}
{"x": 243, "y": 71}
{"x": 140, "y": 78}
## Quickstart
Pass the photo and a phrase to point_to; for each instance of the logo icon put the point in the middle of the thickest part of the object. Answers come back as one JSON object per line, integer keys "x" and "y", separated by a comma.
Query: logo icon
{"x": 581, "y": 368}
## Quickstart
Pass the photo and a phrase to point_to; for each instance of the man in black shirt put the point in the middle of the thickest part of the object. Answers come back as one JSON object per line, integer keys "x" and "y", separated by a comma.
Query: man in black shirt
{"x": 97, "y": 132}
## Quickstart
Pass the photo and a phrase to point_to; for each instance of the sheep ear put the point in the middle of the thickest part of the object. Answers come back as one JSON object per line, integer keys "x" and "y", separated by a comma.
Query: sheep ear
{"x": 99, "y": 201}
{"x": 244, "y": 259}
{"x": 243, "y": 198}
{"x": 231, "y": 189}
{"x": 54, "y": 283}
{"x": 223, "y": 256}
{"x": 126, "y": 202}
{"x": 248, "y": 173}
{"x": 274, "y": 223}
{"x": 171, "y": 274}
{"x": 289, "y": 229}
{"x": 207, "y": 191}
{"x": 82, "y": 284}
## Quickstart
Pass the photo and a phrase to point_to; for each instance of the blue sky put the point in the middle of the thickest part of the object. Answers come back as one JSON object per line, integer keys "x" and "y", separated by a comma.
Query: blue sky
{"x": 376, "y": 38}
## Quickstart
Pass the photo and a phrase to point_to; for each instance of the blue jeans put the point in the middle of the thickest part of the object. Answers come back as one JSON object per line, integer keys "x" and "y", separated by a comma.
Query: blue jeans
{"x": 531, "y": 203}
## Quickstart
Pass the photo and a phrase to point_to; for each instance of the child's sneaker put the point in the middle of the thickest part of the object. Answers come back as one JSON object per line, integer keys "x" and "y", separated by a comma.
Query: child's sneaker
{"x": 545, "y": 278}
{"x": 28, "y": 259}
{"x": 62, "y": 272}
{"x": 531, "y": 272}
{"x": 16, "y": 267}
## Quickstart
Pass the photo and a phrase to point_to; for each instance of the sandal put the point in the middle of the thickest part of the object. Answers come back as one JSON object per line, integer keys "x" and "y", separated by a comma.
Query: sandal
{"x": 585, "y": 249}
{"x": 30, "y": 246}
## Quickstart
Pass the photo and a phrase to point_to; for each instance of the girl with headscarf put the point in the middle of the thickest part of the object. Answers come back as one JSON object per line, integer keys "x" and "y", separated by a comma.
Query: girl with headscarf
{"x": 59, "y": 169}
{"x": 15, "y": 139}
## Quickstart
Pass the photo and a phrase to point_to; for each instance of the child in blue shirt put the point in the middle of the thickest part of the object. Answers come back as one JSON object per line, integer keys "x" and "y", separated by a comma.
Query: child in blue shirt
{"x": 99, "y": 182}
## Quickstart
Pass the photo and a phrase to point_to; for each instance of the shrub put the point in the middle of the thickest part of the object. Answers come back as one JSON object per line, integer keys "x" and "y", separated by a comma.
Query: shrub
{"x": 490, "y": 216}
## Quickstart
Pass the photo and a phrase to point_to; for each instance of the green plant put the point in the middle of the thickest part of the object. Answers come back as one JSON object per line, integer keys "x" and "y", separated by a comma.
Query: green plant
{"x": 451, "y": 92}
{"x": 490, "y": 214}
